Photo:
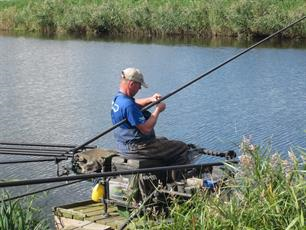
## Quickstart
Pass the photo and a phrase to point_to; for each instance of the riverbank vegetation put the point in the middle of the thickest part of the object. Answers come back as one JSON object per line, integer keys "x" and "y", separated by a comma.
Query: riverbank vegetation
{"x": 199, "y": 18}
{"x": 20, "y": 214}
{"x": 266, "y": 193}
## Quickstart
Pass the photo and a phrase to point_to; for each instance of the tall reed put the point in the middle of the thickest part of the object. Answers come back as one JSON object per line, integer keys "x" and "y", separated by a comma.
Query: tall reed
{"x": 200, "y": 18}
{"x": 20, "y": 215}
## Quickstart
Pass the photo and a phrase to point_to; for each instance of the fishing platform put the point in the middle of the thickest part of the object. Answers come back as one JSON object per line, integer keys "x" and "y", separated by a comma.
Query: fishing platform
{"x": 87, "y": 215}
{"x": 117, "y": 205}
{"x": 122, "y": 188}
{"x": 90, "y": 215}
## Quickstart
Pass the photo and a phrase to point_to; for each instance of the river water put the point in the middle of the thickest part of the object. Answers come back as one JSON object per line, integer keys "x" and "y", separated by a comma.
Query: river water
{"x": 60, "y": 91}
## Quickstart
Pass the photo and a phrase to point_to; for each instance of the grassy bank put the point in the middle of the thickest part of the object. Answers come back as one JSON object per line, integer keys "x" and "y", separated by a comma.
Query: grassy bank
{"x": 20, "y": 214}
{"x": 200, "y": 18}
{"x": 266, "y": 193}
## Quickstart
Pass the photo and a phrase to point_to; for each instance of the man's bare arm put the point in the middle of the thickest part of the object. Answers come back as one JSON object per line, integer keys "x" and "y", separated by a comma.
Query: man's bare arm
{"x": 147, "y": 127}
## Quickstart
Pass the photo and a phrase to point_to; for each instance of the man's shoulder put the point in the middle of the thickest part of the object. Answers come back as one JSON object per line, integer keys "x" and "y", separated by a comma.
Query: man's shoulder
{"x": 122, "y": 99}
{"x": 124, "y": 102}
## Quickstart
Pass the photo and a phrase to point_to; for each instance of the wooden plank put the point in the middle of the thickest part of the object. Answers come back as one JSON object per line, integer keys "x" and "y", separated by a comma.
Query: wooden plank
{"x": 109, "y": 219}
{"x": 87, "y": 205}
{"x": 78, "y": 204}
{"x": 87, "y": 209}
{"x": 94, "y": 213}
{"x": 100, "y": 211}
{"x": 113, "y": 221}
{"x": 69, "y": 213}
{"x": 69, "y": 224}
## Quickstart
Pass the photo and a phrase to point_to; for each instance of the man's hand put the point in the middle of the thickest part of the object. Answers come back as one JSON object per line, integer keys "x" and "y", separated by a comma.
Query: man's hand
{"x": 148, "y": 100}
{"x": 155, "y": 97}
{"x": 161, "y": 107}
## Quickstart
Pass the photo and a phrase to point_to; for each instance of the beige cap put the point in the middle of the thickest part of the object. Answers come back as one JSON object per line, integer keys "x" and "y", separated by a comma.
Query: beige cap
{"x": 134, "y": 74}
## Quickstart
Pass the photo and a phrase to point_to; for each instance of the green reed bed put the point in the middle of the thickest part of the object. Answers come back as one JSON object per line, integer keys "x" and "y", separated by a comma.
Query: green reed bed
{"x": 20, "y": 215}
{"x": 266, "y": 193}
{"x": 200, "y": 18}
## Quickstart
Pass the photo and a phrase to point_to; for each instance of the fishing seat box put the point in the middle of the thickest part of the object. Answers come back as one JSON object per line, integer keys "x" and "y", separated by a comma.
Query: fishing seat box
{"x": 122, "y": 163}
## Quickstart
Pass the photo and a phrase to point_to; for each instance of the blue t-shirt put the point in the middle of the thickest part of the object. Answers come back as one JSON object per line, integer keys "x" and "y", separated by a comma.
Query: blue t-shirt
{"x": 127, "y": 134}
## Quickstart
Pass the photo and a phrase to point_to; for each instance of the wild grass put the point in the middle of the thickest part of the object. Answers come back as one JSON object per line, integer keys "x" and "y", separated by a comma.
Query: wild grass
{"x": 266, "y": 193}
{"x": 20, "y": 215}
{"x": 199, "y": 18}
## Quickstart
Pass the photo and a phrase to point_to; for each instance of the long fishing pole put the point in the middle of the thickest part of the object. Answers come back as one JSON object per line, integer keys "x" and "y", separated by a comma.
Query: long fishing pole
{"x": 55, "y": 159}
{"x": 37, "y": 149}
{"x": 56, "y": 152}
{"x": 189, "y": 83}
{"x": 35, "y": 154}
{"x": 34, "y": 149}
{"x": 42, "y": 145}
{"x": 39, "y": 191}
{"x": 109, "y": 174}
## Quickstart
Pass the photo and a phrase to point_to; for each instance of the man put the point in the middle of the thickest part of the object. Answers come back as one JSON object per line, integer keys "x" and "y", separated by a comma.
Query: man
{"x": 136, "y": 137}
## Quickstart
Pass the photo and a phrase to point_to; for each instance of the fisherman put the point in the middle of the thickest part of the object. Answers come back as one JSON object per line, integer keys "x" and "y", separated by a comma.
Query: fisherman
{"x": 136, "y": 137}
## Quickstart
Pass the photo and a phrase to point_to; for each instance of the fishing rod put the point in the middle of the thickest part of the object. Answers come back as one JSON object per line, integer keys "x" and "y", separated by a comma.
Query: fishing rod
{"x": 34, "y": 149}
{"x": 55, "y": 152}
{"x": 55, "y": 159}
{"x": 39, "y": 191}
{"x": 189, "y": 83}
{"x": 35, "y": 154}
{"x": 37, "y": 149}
{"x": 110, "y": 174}
{"x": 42, "y": 145}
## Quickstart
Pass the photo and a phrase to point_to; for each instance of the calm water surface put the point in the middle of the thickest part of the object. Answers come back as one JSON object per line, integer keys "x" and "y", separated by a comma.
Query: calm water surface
{"x": 60, "y": 91}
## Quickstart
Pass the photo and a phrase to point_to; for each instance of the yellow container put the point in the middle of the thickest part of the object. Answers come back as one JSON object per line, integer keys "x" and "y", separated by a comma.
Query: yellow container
{"x": 97, "y": 192}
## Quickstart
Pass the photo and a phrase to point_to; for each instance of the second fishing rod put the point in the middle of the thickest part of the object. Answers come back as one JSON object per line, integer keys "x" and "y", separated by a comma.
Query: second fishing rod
{"x": 189, "y": 83}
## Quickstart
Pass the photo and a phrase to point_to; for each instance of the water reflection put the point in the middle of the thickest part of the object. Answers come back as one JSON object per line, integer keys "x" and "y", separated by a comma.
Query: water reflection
{"x": 276, "y": 42}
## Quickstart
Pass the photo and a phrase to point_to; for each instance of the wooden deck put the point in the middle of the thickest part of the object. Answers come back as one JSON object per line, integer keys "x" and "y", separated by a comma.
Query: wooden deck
{"x": 87, "y": 215}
